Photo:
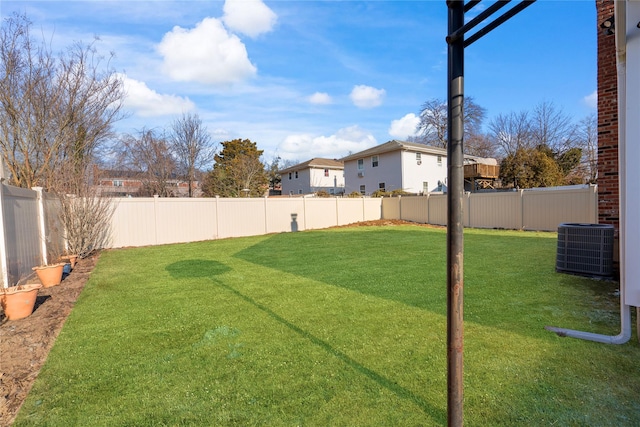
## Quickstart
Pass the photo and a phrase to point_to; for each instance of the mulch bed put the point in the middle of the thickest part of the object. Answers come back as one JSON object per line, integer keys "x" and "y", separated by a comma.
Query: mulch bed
{"x": 25, "y": 343}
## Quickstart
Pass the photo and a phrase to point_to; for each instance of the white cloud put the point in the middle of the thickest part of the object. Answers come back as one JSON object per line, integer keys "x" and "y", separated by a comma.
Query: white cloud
{"x": 304, "y": 147}
{"x": 592, "y": 99}
{"x": 404, "y": 127}
{"x": 205, "y": 54}
{"x": 147, "y": 102}
{"x": 320, "y": 98}
{"x": 248, "y": 17}
{"x": 366, "y": 96}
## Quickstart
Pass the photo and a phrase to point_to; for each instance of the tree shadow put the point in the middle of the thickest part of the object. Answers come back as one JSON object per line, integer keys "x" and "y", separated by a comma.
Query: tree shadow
{"x": 437, "y": 414}
{"x": 196, "y": 268}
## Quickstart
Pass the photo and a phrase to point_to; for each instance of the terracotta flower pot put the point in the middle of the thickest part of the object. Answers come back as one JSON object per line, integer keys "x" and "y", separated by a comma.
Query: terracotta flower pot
{"x": 18, "y": 301}
{"x": 72, "y": 259}
{"x": 50, "y": 275}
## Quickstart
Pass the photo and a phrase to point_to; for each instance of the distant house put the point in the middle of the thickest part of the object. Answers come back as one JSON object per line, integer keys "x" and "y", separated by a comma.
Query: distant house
{"x": 398, "y": 165}
{"x": 123, "y": 183}
{"x": 312, "y": 176}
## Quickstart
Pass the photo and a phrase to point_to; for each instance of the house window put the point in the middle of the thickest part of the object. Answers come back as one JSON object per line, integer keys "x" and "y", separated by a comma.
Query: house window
{"x": 374, "y": 161}
{"x": 326, "y": 172}
{"x": 299, "y": 191}
{"x": 117, "y": 183}
{"x": 331, "y": 191}
{"x": 289, "y": 175}
{"x": 439, "y": 160}
{"x": 362, "y": 190}
{"x": 360, "y": 164}
{"x": 296, "y": 174}
{"x": 425, "y": 187}
{"x": 381, "y": 186}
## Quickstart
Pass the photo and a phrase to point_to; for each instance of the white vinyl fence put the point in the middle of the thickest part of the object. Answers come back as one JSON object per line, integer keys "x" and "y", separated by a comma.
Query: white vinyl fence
{"x": 534, "y": 209}
{"x": 31, "y": 233}
{"x": 157, "y": 221}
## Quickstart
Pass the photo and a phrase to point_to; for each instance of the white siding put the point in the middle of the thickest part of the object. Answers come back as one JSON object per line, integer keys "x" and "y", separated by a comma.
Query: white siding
{"x": 429, "y": 170}
{"x": 387, "y": 172}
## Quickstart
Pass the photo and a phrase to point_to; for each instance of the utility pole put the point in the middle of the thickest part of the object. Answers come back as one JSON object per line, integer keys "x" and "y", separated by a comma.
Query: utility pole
{"x": 455, "y": 191}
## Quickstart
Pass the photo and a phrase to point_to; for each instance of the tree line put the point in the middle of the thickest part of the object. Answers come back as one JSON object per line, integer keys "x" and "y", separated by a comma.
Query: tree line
{"x": 538, "y": 148}
{"x": 57, "y": 114}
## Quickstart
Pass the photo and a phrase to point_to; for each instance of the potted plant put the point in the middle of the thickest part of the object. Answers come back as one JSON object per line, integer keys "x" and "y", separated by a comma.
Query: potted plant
{"x": 71, "y": 259}
{"x": 18, "y": 301}
{"x": 50, "y": 275}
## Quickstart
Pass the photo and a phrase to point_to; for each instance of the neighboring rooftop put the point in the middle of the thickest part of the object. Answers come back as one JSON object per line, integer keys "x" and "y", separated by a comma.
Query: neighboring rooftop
{"x": 316, "y": 162}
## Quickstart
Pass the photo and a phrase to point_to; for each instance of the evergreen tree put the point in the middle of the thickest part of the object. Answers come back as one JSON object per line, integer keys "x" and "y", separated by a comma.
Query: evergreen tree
{"x": 237, "y": 172}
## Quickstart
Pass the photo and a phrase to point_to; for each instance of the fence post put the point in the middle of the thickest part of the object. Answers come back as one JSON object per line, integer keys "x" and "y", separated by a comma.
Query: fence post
{"x": 266, "y": 212}
{"x": 155, "y": 217}
{"x": 42, "y": 228}
{"x": 217, "y": 218}
{"x": 521, "y": 193}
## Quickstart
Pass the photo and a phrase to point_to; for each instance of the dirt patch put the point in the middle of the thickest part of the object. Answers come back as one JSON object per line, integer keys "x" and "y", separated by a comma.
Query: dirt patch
{"x": 387, "y": 222}
{"x": 25, "y": 343}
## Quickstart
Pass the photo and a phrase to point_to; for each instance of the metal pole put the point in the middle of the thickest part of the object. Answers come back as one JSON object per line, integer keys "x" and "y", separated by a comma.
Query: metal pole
{"x": 455, "y": 193}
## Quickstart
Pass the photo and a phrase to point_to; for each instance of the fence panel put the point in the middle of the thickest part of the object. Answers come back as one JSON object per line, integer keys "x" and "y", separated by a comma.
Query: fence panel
{"x": 495, "y": 210}
{"x": 54, "y": 228}
{"x": 320, "y": 213}
{"x": 285, "y": 214}
{"x": 438, "y": 209}
{"x": 545, "y": 209}
{"x": 350, "y": 210}
{"x": 372, "y": 209}
{"x": 415, "y": 209}
{"x": 22, "y": 235}
{"x": 177, "y": 221}
{"x": 391, "y": 208}
{"x": 133, "y": 222}
{"x": 241, "y": 217}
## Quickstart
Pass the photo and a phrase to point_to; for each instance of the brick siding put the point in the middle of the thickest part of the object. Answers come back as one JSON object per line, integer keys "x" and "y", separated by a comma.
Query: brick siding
{"x": 608, "y": 197}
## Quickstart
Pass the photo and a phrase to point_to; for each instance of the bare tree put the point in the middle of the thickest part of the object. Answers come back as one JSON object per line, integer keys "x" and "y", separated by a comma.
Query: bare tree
{"x": 54, "y": 111}
{"x": 433, "y": 121}
{"x": 510, "y": 133}
{"x": 192, "y": 146}
{"x": 84, "y": 213}
{"x": 587, "y": 139}
{"x": 552, "y": 127}
{"x": 149, "y": 155}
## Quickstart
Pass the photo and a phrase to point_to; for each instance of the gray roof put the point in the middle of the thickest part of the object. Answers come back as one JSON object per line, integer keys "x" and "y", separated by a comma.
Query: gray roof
{"x": 395, "y": 145}
{"x": 316, "y": 162}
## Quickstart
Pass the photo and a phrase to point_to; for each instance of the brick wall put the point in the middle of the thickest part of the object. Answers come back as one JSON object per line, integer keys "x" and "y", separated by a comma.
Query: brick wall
{"x": 608, "y": 206}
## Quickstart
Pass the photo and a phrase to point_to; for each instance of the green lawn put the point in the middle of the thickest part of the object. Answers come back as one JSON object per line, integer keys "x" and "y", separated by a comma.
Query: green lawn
{"x": 340, "y": 327}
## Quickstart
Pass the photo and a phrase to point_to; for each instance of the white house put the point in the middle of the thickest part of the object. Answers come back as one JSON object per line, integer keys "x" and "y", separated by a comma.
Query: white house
{"x": 398, "y": 165}
{"x": 314, "y": 175}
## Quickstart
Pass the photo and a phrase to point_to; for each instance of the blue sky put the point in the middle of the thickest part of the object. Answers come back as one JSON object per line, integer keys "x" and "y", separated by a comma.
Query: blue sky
{"x": 308, "y": 79}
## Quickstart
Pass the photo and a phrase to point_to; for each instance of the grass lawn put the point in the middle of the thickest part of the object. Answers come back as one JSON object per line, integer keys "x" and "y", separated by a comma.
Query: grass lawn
{"x": 341, "y": 327}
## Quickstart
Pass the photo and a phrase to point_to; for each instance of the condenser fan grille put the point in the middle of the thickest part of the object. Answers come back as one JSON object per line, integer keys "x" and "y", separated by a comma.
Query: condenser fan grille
{"x": 585, "y": 249}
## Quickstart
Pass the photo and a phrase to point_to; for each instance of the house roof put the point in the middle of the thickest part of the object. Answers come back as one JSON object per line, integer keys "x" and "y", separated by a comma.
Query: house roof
{"x": 395, "y": 145}
{"x": 316, "y": 162}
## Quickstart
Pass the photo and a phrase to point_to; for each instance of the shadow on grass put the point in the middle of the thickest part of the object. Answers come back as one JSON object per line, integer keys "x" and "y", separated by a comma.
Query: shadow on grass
{"x": 408, "y": 265}
{"x": 200, "y": 268}
{"x": 437, "y": 414}
{"x": 196, "y": 268}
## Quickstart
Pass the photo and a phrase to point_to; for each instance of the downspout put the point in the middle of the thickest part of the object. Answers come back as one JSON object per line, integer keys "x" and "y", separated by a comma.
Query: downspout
{"x": 625, "y": 310}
